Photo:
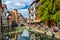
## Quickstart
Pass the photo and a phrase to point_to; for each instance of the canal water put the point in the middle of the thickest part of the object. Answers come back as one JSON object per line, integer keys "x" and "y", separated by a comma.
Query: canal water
{"x": 27, "y": 35}
{"x": 23, "y": 36}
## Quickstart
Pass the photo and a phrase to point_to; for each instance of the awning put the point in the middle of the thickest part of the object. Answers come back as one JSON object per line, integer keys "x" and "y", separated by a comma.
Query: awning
{"x": 35, "y": 21}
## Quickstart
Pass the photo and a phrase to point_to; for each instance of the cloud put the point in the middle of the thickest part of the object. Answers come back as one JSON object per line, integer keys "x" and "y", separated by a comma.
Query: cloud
{"x": 8, "y": 2}
{"x": 21, "y": 5}
{"x": 28, "y": 2}
{"x": 18, "y": 4}
{"x": 24, "y": 12}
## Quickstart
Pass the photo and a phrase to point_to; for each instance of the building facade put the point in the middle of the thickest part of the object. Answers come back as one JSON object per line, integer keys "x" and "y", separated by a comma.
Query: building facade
{"x": 4, "y": 21}
{"x": 13, "y": 16}
{"x": 4, "y": 15}
{"x": 22, "y": 20}
{"x": 17, "y": 17}
{"x": 33, "y": 14}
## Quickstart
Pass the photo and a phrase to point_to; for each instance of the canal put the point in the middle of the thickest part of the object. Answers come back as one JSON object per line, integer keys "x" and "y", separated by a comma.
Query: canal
{"x": 21, "y": 33}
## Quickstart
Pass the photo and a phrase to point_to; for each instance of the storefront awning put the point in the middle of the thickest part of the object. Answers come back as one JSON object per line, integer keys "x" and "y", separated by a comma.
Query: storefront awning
{"x": 34, "y": 21}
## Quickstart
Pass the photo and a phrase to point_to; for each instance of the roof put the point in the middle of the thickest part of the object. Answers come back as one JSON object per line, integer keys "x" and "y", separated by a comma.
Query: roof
{"x": 15, "y": 9}
{"x": 4, "y": 6}
{"x": 11, "y": 12}
{"x": 18, "y": 13}
{"x": 21, "y": 15}
{"x": 35, "y": 21}
{"x": 34, "y": 2}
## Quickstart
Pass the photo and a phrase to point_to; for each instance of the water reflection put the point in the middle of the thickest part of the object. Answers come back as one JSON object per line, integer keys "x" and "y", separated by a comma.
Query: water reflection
{"x": 24, "y": 35}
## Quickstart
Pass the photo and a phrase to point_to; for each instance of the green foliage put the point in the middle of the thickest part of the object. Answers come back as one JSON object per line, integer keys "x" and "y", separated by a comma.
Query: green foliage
{"x": 56, "y": 16}
{"x": 49, "y": 9}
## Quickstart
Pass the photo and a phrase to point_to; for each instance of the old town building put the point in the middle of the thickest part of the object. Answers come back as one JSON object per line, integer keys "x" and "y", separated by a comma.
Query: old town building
{"x": 17, "y": 17}
{"x": 4, "y": 15}
{"x": 13, "y": 16}
{"x": 22, "y": 20}
{"x": 34, "y": 18}
{"x": 13, "y": 19}
{"x": 33, "y": 14}
{"x": 4, "y": 21}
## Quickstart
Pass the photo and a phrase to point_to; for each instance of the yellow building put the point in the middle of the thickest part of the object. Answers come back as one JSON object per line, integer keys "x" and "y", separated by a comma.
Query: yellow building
{"x": 13, "y": 17}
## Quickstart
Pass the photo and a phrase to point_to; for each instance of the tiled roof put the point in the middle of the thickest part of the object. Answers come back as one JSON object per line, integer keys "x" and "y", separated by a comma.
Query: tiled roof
{"x": 3, "y": 5}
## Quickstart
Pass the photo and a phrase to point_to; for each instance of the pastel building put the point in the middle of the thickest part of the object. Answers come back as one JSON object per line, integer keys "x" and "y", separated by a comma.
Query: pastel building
{"x": 33, "y": 13}
{"x": 5, "y": 14}
{"x": 13, "y": 16}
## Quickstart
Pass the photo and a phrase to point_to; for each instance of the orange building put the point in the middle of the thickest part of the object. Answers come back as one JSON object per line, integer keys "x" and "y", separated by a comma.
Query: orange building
{"x": 4, "y": 6}
{"x": 13, "y": 17}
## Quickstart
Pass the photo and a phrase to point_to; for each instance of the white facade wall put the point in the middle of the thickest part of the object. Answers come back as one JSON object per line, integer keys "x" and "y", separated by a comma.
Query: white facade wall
{"x": 4, "y": 16}
{"x": 32, "y": 11}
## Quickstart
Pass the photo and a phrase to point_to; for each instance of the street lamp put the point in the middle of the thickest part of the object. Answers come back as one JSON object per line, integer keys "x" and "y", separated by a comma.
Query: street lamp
{"x": 0, "y": 18}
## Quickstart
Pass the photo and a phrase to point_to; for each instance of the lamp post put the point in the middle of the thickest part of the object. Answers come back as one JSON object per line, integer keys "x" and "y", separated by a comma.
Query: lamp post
{"x": 0, "y": 19}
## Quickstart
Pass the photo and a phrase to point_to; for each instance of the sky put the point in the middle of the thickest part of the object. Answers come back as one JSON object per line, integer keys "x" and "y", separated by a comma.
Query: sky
{"x": 21, "y": 5}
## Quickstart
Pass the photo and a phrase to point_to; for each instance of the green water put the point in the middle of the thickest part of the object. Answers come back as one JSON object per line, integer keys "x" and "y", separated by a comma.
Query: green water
{"x": 41, "y": 36}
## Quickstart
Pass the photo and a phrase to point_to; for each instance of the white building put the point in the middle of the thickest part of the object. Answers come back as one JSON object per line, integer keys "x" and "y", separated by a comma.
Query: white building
{"x": 4, "y": 14}
{"x": 33, "y": 10}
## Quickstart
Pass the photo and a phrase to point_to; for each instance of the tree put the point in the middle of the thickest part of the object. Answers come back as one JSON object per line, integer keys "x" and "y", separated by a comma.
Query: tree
{"x": 49, "y": 11}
